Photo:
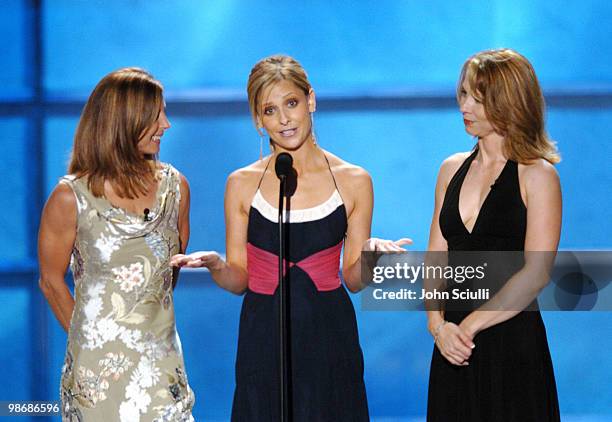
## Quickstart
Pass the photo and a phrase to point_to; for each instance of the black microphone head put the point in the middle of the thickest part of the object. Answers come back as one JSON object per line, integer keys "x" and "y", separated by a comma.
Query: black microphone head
{"x": 283, "y": 165}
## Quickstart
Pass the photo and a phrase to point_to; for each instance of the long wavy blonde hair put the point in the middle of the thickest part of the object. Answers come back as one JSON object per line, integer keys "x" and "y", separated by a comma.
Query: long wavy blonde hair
{"x": 123, "y": 105}
{"x": 506, "y": 84}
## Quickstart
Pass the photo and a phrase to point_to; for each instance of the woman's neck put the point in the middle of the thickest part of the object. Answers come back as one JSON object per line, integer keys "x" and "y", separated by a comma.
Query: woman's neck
{"x": 305, "y": 158}
{"x": 491, "y": 148}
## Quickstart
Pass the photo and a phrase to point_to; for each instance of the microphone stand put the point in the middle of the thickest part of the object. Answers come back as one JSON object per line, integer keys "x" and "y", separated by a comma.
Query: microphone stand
{"x": 283, "y": 317}
{"x": 283, "y": 168}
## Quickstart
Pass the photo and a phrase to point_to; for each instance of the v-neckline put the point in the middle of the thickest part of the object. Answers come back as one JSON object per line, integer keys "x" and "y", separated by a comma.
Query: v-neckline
{"x": 484, "y": 203}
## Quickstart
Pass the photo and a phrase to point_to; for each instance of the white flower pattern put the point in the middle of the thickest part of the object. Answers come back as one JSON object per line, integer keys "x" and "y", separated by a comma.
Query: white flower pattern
{"x": 131, "y": 339}
{"x": 106, "y": 246}
{"x": 137, "y": 396}
{"x": 92, "y": 308}
{"x": 146, "y": 374}
{"x": 129, "y": 277}
{"x": 157, "y": 244}
{"x": 91, "y": 387}
{"x": 114, "y": 365}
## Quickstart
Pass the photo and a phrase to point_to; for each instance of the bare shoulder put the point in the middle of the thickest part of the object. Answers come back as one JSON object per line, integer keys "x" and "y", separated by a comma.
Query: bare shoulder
{"x": 248, "y": 175}
{"x": 242, "y": 183}
{"x": 539, "y": 173}
{"x": 184, "y": 183}
{"x": 453, "y": 162}
{"x": 450, "y": 166}
{"x": 185, "y": 197}
{"x": 62, "y": 198}
{"x": 61, "y": 207}
{"x": 347, "y": 174}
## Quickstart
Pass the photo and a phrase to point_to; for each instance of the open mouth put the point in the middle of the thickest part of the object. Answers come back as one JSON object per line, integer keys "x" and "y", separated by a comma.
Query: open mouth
{"x": 288, "y": 132}
{"x": 156, "y": 138}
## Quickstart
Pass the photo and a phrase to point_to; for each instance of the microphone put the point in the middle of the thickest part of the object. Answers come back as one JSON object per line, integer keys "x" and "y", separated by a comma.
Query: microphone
{"x": 146, "y": 212}
{"x": 283, "y": 165}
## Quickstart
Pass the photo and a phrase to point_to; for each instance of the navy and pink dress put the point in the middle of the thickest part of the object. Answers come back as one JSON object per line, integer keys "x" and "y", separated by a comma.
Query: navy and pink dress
{"x": 327, "y": 363}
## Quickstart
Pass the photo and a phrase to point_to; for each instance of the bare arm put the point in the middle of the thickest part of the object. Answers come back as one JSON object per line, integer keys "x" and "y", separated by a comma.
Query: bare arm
{"x": 544, "y": 207}
{"x": 231, "y": 274}
{"x": 183, "y": 223}
{"x": 55, "y": 242}
{"x": 451, "y": 340}
{"x": 358, "y": 185}
{"x": 437, "y": 244}
{"x": 359, "y": 225}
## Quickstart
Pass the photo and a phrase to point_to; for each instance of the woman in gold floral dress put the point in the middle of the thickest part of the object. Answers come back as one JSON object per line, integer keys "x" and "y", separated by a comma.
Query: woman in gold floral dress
{"x": 117, "y": 218}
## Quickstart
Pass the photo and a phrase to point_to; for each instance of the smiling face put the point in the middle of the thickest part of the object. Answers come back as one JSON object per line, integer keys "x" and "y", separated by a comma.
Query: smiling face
{"x": 149, "y": 142}
{"x": 284, "y": 112}
{"x": 473, "y": 111}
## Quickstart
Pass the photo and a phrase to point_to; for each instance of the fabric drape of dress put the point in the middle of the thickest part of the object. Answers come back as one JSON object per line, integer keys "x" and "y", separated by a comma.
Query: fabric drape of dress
{"x": 123, "y": 359}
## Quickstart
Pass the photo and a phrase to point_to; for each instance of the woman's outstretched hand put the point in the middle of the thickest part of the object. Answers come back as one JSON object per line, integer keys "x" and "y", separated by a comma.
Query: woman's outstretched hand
{"x": 208, "y": 259}
{"x": 374, "y": 244}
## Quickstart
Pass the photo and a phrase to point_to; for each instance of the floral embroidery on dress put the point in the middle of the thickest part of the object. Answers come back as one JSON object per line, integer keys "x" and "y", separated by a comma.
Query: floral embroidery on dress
{"x": 167, "y": 276}
{"x": 183, "y": 400}
{"x": 70, "y": 412}
{"x": 107, "y": 245}
{"x": 129, "y": 277}
{"x": 159, "y": 348}
{"x": 92, "y": 308}
{"x": 146, "y": 374}
{"x": 167, "y": 289}
{"x": 99, "y": 332}
{"x": 179, "y": 389}
{"x": 158, "y": 245}
{"x": 76, "y": 264}
{"x": 114, "y": 365}
{"x": 91, "y": 388}
{"x": 93, "y": 301}
{"x": 172, "y": 413}
{"x": 132, "y": 339}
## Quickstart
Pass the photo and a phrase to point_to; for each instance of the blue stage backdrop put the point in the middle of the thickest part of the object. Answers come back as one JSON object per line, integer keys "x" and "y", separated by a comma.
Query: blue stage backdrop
{"x": 384, "y": 73}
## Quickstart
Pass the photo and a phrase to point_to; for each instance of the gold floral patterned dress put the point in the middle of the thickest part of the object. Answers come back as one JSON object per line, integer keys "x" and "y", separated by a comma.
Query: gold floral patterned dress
{"x": 123, "y": 359}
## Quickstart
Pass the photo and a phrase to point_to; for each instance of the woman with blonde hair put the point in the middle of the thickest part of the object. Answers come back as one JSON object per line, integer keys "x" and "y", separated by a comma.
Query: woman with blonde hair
{"x": 331, "y": 208}
{"x": 492, "y": 363}
{"x": 117, "y": 218}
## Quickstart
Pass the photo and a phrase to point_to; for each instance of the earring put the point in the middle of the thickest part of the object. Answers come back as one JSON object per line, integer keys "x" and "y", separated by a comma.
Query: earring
{"x": 312, "y": 129}
{"x": 261, "y": 138}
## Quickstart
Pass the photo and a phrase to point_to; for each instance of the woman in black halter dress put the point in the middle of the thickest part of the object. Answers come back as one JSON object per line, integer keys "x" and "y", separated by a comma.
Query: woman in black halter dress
{"x": 503, "y": 196}
{"x": 330, "y": 215}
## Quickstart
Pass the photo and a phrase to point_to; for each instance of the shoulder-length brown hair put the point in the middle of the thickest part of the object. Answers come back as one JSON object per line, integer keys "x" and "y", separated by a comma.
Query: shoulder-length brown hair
{"x": 123, "y": 105}
{"x": 270, "y": 70}
{"x": 506, "y": 84}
